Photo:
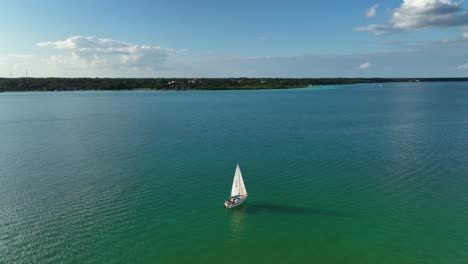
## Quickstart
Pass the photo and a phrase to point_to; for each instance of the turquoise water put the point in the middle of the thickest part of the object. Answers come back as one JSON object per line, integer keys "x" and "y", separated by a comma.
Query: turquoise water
{"x": 354, "y": 174}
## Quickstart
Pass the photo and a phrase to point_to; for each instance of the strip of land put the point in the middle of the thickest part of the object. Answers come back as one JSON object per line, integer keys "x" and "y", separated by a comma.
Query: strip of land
{"x": 73, "y": 84}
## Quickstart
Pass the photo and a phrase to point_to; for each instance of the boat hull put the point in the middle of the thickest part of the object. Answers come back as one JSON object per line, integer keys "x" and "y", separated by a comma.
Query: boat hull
{"x": 238, "y": 201}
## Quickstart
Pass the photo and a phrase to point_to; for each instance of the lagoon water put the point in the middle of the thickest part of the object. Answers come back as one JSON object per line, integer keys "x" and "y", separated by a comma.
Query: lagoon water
{"x": 346, "y": 174}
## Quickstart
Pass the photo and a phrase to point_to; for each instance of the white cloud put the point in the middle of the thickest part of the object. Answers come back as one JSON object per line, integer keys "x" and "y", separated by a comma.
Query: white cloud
{"x": 378, "y": 29}
{"x": 365, "y": 65}
{"x": 106, "y": 53}
{"x": 372, "y": 11}
{"x": 413, "y": 58}
{"x": 465, "y": 35}
{"x": 463, "y": 66}
{"x": 418, "y": 14}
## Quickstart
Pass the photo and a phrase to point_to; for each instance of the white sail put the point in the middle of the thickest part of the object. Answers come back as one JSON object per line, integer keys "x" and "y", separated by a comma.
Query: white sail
{"x": 242, "y": 190}
{"x": 238, "y": 187}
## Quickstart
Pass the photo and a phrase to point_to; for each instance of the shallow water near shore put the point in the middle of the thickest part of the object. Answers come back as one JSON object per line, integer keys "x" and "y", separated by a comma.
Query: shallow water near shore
{"x": 353, "y": 174}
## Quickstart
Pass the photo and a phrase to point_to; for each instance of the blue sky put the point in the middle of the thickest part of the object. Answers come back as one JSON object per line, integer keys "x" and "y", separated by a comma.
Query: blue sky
{"x": 404, "y": 38}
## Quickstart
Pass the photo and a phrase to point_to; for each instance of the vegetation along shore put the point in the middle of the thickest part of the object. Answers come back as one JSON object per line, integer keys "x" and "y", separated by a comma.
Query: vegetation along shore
{"x": 71, "y": 84}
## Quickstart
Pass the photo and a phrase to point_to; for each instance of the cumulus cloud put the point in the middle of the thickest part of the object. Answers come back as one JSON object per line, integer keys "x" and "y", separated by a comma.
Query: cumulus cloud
{"x": 418, "y": 14}
{"x": 91, "y": 51}
{"x": 372, "y": 11}
{"x": 463, "y": 66}
{"x": 365, "y": 65}
{"x": 68, "y": 59}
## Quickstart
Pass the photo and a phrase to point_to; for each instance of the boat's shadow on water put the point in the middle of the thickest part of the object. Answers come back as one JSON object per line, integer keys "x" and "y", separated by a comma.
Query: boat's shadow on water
{"x": 264, "y": 207}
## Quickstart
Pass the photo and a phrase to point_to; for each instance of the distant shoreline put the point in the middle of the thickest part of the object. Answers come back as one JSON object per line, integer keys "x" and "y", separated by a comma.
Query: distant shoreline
{"x": 182, "y": 84}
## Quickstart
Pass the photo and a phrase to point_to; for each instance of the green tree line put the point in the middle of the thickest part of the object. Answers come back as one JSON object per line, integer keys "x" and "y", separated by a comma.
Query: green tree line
{"x": 71, "y": 84}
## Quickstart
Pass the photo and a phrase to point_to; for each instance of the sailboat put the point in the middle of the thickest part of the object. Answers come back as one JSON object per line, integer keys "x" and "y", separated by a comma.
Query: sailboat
{"x": 238, "y": 191}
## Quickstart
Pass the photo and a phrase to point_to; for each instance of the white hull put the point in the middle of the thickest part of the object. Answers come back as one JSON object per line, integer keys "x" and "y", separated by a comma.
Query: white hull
{"x": 239, "y": 201}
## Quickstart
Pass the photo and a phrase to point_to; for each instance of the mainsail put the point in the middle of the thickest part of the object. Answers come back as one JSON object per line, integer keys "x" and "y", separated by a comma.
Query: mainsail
{"x": 238, "y": 187}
